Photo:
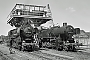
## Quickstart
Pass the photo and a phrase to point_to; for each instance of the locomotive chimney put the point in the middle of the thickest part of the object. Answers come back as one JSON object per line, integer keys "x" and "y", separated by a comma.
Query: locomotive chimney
{"x": 64, "y": 24}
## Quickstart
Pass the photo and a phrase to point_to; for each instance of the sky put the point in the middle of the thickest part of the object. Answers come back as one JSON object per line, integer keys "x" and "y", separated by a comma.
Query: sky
{"x": 74, "y": 12}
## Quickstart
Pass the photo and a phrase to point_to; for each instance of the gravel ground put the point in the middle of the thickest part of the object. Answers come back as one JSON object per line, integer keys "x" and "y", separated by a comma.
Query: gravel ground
{"x": 2, "y": 57}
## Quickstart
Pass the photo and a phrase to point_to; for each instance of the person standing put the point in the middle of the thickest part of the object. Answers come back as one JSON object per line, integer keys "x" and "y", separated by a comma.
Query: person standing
{"x": 11, "y": 45}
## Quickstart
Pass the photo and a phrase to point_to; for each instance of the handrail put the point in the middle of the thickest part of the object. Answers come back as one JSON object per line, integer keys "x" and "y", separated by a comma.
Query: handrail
{"x": 24, "y": 6}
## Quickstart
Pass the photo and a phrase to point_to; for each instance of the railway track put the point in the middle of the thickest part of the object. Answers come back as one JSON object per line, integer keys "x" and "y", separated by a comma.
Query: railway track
{"x": 42, "y": 55}
{"x": 49, "y": 56}
{"x": 46, "y": 54}
{"x": 79, "y": 55}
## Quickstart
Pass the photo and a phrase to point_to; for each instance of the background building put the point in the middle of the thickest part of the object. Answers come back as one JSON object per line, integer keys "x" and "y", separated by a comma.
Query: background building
{"x": 83, "y": 37}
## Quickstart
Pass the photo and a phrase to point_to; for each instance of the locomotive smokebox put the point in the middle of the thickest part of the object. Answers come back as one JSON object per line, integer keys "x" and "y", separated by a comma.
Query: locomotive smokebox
{"x": 64, "y": 24}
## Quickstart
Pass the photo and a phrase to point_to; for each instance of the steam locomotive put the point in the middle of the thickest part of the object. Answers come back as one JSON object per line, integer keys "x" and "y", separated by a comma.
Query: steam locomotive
{"x": 23, "y": 38}
{"x": 60, "y": 38}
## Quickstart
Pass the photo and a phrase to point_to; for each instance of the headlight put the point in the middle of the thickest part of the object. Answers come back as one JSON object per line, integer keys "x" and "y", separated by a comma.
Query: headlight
{"x": 34, "y": 41}
{"x": 23, "y": 41}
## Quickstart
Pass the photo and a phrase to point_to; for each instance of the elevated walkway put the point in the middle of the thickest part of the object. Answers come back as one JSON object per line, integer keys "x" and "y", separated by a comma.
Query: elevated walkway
{"x": 35, "y": 14}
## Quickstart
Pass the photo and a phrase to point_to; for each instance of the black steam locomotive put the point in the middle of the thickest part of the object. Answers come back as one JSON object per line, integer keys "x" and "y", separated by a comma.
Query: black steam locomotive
{"x": 23, "y": 38}
{"x": 60, "y": 38}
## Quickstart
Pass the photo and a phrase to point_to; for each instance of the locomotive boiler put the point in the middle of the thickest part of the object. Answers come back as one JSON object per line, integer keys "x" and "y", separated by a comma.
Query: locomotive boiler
{"x": 60, "y": 38}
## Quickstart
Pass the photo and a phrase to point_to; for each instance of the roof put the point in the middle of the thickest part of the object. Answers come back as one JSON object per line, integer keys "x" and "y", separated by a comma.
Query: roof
{"x": 88, "y": 33}
{"x": 82, "y": 34}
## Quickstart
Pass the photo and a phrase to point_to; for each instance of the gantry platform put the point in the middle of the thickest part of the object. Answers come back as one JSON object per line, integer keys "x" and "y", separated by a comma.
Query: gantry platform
{"x": 36, "y": 15}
